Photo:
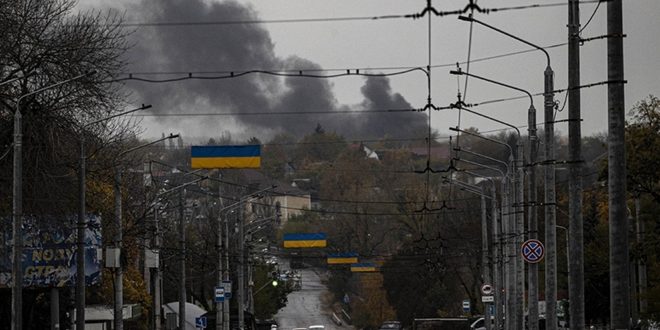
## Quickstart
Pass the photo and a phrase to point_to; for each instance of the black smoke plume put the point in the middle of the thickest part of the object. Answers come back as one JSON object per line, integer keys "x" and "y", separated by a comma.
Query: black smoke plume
{"x": 242, "y": 47}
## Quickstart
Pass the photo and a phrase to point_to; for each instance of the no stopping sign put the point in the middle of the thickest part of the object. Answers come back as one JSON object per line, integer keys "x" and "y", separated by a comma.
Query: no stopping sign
{"x": 532, "y": 251}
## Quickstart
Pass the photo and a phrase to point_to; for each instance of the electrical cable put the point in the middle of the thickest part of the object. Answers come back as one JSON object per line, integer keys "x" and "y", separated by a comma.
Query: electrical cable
{"x": 556, "y": 91}
{"x": 294, "y": 71}
{"x": 232, "y": 75}
{"x": 264, "y": 21}
{"x": 470, "y": 6}
{"x": 591, "y": 17}
{"x": 271, "y": 113}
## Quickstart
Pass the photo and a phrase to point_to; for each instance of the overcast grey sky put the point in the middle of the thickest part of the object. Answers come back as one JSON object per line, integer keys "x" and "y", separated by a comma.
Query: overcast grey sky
{"x": 369, "y": 44}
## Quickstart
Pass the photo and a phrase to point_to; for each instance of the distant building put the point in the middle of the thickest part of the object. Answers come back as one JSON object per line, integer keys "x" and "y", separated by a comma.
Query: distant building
{"x": 289, "y": 198}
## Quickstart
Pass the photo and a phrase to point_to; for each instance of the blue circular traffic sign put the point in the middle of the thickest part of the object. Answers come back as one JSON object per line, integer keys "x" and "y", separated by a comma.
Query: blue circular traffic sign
{"x": 532, "y": 251}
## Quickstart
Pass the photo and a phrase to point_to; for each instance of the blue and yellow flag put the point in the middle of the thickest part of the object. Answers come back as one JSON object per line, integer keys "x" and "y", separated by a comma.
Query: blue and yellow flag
{"x": 365, "y": 267}
{"x": 342, "y": 258}
{"x": 313, "y": 240}
{"x": 225, "y": 156}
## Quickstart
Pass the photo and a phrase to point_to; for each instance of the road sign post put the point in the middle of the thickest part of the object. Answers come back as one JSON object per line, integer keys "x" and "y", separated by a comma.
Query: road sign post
{"x": 466, "y": 306}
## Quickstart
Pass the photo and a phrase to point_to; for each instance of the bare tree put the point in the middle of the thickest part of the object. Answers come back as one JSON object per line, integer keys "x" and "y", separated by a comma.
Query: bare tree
{"x": 48, "y": 43}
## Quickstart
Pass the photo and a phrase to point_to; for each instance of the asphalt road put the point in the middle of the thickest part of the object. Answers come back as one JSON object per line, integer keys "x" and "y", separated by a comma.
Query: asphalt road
{"x": 305, "y": 307}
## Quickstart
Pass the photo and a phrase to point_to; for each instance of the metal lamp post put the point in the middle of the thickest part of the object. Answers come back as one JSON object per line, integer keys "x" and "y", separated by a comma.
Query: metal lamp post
{"x": 17, "y": 207}
{"x": 118, "y": 278}
{"x": 549, "y": 201}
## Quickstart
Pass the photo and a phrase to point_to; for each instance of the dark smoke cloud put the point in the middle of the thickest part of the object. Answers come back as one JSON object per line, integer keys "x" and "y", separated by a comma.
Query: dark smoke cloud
{"x": 245, "y": 47}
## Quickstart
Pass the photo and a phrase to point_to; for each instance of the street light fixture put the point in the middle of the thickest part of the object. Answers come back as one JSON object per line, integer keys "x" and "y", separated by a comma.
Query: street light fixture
{"x": 550, "y": 214}
{"x": 17, "y": 207}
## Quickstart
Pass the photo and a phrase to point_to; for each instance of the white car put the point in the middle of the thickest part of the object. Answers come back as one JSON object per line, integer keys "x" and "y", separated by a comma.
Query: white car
{"x": 480, "y": 324}
{"x": 316, "y": 327}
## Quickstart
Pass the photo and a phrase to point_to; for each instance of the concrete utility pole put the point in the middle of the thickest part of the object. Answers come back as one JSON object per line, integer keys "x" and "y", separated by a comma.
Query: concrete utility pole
{"x": 240, "y": 296}
{"x": 634, "y": 308}
{"x": 532, "y": 219}
{"x": 484, "y": 252}
{"x": 550, "y": 205}
{"x": 118, "y": 278}
{"x": 576, "y": 248}
{"x": 641, "y": 263}
{"x": 182, "y": 261}
{"x": 227, "y": 316}
{"x": 219, "y": 306}
{"x": 616, "y": 166}
{"x": 157, "y": 283}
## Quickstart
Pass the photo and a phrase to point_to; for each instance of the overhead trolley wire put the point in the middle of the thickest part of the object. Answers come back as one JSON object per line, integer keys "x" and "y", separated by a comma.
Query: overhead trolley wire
{"x": 232, "y": 74}
{"x": 224, "y": 74}
{"x": 470, "y": 6}
{"x": 267, "y": 113}
{"x": 266, "y": 21}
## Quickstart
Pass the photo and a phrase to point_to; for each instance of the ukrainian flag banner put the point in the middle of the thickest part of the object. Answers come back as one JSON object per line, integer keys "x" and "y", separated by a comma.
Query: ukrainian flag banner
{"x": 342, "y": 258}
{"x": 313, "y": 240}
{"x": 225, "y": 156}
{"x": 365, "y": 267}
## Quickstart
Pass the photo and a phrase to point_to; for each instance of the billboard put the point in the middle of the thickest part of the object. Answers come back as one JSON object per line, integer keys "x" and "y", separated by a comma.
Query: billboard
{"x": 49, "y": 251}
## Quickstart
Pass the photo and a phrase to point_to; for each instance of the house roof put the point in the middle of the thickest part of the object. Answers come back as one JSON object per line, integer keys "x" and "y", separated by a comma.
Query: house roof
{"x": 259, "y": 180}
